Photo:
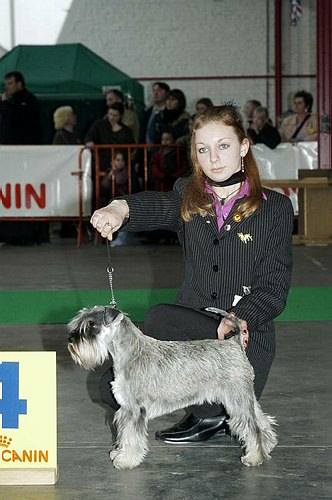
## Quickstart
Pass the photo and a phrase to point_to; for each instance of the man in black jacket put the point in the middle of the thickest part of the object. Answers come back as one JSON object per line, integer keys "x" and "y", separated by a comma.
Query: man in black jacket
{"x": 20, "y": 124}
{"x": 19, "y": 113}
{"x": 159, "y": 94}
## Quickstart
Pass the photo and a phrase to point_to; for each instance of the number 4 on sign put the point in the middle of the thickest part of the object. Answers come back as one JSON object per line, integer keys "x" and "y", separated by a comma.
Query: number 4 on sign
{"x": 10, "y": 404}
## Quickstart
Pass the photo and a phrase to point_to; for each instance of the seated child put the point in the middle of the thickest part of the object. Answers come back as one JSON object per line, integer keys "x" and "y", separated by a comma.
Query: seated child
{"x": 166, "y": 164}
{"x": 118, "y": 172}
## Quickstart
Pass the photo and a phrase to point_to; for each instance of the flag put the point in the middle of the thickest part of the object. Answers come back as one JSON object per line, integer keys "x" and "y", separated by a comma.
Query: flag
{"x": 296, "y": 11}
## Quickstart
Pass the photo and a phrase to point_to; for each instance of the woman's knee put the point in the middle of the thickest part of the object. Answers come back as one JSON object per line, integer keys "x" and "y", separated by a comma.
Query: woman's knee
{"x": 158, "y": 320}
{"x": 178, "y": 322}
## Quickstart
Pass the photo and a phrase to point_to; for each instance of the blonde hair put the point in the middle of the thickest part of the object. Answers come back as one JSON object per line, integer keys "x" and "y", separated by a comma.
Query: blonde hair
{"x": 61, "y": 115}
{"x": 195, "y": 199}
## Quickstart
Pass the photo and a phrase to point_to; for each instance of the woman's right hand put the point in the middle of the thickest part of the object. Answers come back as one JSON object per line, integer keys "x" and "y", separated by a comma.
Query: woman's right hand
{"x": 226, "y": 326}
{"x": 109, "y": 219}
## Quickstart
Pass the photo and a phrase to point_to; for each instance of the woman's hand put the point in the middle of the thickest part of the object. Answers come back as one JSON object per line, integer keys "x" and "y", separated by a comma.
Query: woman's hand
{"x": 226, "y": 326}
{"x": 109, "y": 219}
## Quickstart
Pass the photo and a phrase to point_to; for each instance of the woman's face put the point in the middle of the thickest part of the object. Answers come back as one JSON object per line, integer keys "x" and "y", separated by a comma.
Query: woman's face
{"x": 200, "y": 108}
{"x": 219, "y": 150}
{"x": 299, "y": 105}
{"x": 259, "y": 120}
{"x": 71, "y": 119}
{"x": 113, "y": 115}
{"x": 172, "y": 103}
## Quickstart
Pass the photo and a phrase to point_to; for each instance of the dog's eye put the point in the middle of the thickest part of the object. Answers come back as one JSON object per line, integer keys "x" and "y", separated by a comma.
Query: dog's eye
{"x": 92, "y": 329}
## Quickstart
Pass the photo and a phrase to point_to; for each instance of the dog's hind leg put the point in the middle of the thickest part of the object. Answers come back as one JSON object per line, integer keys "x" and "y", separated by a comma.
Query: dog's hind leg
{"x": 132, "y": 438}
{"x": 266, "y": 436}
{"x": 251, "y": 426}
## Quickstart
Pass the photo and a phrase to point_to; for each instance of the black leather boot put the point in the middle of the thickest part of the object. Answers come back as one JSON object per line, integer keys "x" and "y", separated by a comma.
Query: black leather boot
{"x": 193, "y": 429}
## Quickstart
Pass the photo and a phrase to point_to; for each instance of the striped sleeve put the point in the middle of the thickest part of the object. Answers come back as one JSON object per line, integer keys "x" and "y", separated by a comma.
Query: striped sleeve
{"x": 151, "y": 210}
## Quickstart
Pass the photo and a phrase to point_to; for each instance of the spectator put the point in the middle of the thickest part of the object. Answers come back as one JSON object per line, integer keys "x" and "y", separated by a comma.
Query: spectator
{"x": 202, "y": 105}
{"x": 249, "y": 109}
{"x": 150, "y": 132}
{"x": 302, "y": 126}
{"x": 20, "y": 113}
{"x": 166, "y": 167}
{"x": 159, "y": 93}
{"x": 261, "y": 130}
{"x": 118, "y": 172}
{"x": 129, "y": 117}
{"x": 20, "y": 124}
{"x": 174, "y": 117}
{"x": 64, "y": 123}
{"x": 109, "y": 130}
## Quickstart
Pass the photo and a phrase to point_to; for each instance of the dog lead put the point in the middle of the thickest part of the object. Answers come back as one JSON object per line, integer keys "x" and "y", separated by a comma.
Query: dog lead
{"x": 110, "y": 272}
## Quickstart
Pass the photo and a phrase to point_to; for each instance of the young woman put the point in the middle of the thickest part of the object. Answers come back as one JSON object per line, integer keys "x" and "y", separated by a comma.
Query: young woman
{"x": 202, "y": 105}
{"x": 237, "y": 244}
{"x": 109, "y": 130}
{"x": 174, "y": 117}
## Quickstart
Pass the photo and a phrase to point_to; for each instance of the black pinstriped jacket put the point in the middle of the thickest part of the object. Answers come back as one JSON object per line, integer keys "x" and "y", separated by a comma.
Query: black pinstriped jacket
{"x": 251, "y": 258}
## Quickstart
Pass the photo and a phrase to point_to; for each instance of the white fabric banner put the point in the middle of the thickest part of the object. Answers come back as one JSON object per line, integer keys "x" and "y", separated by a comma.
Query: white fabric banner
{"x": 37, "y": 181}
{"x": 284, "y": 162}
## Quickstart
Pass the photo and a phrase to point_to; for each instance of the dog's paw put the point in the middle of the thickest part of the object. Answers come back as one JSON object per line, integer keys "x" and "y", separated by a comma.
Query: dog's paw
{"x": 122, "y": 461}
{"x": 252, "y": 461}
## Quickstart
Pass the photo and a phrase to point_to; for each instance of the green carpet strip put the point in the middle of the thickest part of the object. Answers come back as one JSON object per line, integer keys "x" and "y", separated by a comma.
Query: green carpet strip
{"x": 54, "y": 307}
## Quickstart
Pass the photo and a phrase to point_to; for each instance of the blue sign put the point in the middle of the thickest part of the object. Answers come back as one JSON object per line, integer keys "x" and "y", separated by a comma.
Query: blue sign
{"x": 11, "y": 406}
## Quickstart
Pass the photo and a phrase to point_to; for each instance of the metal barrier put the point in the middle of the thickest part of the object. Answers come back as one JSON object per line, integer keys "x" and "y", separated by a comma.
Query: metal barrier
{"x": 136, "y": 155}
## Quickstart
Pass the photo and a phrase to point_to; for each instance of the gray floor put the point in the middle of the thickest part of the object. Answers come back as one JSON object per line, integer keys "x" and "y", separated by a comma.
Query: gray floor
{"x": 298, "y": 391}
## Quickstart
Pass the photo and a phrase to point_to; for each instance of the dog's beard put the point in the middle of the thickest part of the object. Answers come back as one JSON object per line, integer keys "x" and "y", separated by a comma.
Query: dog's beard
{"x": 88, "y": 354}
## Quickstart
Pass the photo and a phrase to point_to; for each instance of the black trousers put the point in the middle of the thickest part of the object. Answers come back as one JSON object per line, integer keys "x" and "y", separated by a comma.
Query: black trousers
{"x": 175, "y": 322}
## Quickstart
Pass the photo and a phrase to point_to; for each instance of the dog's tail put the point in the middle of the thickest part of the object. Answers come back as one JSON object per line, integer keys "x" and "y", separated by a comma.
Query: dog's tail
{"x": 232, "y": 318}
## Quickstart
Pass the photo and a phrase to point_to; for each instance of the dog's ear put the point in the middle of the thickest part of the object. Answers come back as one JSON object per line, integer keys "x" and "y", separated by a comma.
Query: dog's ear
{"x": 112, "y": 316}
{"x": 117, "y": 320}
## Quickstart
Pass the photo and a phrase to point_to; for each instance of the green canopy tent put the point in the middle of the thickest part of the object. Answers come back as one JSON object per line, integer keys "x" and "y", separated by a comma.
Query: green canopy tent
{"x": 72, "y": 75}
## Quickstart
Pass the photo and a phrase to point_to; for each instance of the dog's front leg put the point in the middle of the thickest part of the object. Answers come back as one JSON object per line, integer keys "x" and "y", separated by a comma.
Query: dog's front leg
{"x": 132, "y": 438}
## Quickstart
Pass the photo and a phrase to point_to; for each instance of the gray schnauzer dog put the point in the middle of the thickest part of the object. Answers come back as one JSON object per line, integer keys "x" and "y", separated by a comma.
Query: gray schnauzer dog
{"x": 153, "y": 378}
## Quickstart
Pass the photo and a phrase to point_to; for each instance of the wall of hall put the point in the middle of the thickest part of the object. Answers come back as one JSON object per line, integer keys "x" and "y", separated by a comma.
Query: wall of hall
{"x": 161, "y": 39}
